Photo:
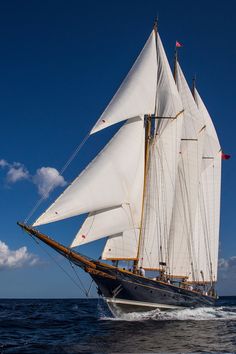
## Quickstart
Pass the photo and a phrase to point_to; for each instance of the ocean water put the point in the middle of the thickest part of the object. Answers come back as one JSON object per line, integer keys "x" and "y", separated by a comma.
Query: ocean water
{"x": 86, "y": 326}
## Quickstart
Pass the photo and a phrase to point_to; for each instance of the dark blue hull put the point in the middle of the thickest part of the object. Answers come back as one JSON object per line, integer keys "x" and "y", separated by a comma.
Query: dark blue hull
{"x": 127, "y": 289}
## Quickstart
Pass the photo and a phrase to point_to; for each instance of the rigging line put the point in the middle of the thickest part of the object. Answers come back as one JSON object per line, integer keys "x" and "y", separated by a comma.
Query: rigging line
{"x": 170, "y": 241}
{"x": 57, "y": 263}
{"x": 90, "y": 286}
{"x": 159, "y": 210}
{"x": 39, "y": 202}
{"x": 80, "y": 281}
{"x": 163, "y": 160}
{"x": 207, "y": 234}
{"x": 146, "y": 218}
{"x": 150, "y": 205}
{"x": 132, "y": 221}
{"x": 206, "y": 231}
{"x": 187, "y": 213}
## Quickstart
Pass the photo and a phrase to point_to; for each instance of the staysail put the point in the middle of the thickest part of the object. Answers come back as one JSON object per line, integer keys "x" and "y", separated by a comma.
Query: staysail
{"x": 122, "y": 246}
{"x": 113, "y": 178}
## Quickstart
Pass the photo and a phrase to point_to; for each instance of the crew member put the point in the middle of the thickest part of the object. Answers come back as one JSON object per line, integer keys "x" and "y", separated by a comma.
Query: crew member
{"x": 142, "y": 271}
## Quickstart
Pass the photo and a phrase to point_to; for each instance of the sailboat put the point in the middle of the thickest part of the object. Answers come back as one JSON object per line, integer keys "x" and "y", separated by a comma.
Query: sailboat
{"x": 153, "y": 192}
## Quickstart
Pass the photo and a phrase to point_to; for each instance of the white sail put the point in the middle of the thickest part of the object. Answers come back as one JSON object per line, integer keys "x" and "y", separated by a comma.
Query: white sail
{"x": 136, "y": 95}
{"x": 110, "y": 180}
{"x": 182, "y": 259}
{"x": 208, "y": 213}
{"x": 111, "y": 221}
{"x": 122, "y": 246}
{"x": 163, "y": 162}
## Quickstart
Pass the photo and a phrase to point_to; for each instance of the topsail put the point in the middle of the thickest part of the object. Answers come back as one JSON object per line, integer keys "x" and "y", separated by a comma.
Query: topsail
{"x": 136, "y": 95}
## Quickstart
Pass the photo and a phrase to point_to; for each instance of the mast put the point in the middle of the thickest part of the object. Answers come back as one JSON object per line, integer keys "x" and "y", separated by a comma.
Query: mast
{"x": 175, "y": 63}
{"x": 148, "y": 128}
{"x": 148, "y": 123}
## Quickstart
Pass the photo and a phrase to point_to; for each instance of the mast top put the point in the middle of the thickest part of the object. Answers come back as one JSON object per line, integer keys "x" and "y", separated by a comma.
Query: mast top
{"x": 155, "y": 25}
{"x": 175, "y": 63}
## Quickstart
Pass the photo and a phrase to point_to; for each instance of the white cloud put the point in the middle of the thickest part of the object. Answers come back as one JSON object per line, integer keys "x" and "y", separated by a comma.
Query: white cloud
{"x": 47, "y": 179}
{"x": 17, "y": 172}
{"x": 16, "y": 259}
{"x": 3, "y": 163}
{"x": 227, "y": 276}
{"x": 227, "y": 264}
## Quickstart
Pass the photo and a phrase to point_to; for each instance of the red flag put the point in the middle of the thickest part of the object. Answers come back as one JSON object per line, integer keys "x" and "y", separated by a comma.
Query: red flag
{"x": 178, "y": 44}
{"x": 225, "y": 156}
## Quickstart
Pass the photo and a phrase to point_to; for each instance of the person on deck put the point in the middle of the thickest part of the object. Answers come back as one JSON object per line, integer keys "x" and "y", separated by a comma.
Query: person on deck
{"x": 142, "y": 271}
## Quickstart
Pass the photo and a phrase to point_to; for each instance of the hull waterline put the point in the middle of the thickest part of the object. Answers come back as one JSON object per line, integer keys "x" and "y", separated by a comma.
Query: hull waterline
{"x": 125, "y": 291}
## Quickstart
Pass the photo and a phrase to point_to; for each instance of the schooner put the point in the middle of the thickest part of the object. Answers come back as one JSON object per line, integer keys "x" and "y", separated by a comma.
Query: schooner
{"x": 153, "y": 191}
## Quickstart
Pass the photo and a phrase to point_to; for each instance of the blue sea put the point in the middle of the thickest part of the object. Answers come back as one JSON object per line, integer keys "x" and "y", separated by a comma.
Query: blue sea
{"x": 86, "y": 326}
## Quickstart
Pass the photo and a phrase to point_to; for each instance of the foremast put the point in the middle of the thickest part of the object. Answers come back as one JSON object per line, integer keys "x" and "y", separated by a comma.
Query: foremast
{"x": 148, "y": 125}
{"x": 148, "y": 131}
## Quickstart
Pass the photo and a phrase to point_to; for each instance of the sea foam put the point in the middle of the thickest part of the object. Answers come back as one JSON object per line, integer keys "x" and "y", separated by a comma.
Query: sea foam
{"x": 193, "y": 314}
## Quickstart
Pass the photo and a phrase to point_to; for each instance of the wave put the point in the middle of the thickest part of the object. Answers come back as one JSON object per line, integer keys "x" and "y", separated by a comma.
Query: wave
{"x": 190, "y": 314}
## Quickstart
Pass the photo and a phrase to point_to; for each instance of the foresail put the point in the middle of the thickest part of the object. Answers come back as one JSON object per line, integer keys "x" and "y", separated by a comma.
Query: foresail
{"x": 208, "y": 213}
{"x": 110, "y": 221}
{"x": 163, "y": 162}
{"x": 113, "y": 178}
{"x": 136, "y": 95}
{"x": 122, "y": 246}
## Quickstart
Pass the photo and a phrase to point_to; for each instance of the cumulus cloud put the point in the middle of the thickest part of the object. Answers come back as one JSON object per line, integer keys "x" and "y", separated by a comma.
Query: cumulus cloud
{"x": 3, "y": 163}
{"x": 47, "y": 179}
{"x": 227, "y": 264}
{"x": 16, "y": 259}
{"x": 227, "y": 276}
{"x": 17, "y": 172}
{"x": 227, "y": 273}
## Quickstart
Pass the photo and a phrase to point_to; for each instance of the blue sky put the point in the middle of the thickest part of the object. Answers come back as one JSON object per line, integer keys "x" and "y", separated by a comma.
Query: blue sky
{"x": 60, "y": 64}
